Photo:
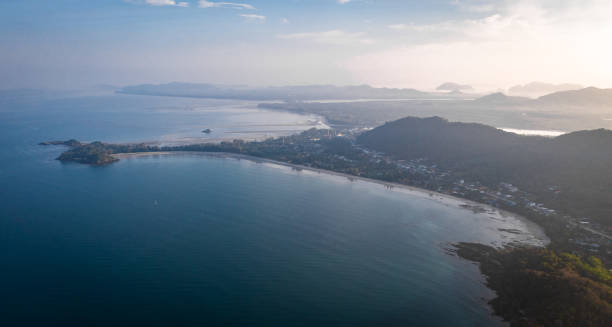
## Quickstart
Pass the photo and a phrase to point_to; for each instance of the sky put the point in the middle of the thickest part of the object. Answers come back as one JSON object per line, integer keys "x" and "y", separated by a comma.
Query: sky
{"x": 489, "y": 44}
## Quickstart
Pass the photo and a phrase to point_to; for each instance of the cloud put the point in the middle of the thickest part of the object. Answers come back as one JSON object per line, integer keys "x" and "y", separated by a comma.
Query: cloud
{"x": 253, "y": 17}
{"x": 233, "y": 5}
{"x": 492, "y": 27}
{"x": 519, "y": 20}
{"x": 284, "y": 21}
{"x": 517, "y": 42}
{"x": 343, "y": 1}
{"x": 334, "y": 37}
{"x": 167, "y": 3}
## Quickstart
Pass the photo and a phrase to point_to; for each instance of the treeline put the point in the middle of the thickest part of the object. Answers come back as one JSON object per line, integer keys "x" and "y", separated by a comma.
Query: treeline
{"x": 98, "y": 153}
{"x": 95, "y": 153}
{"x": 570, "y": 173}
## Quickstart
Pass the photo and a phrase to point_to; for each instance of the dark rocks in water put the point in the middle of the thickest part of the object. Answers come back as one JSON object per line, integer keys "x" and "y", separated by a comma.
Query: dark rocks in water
{"x": 207, "y": 131}
{"x": 476, "y": 252}
{"x": 70, "y": 143}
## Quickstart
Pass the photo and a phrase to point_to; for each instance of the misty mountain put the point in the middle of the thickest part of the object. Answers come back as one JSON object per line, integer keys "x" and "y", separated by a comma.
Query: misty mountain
{"x": 577, "y": 164}
{"x": 536, "y": 89}
{"x": 501, "y": 99}
{"x": 306, "y": 92}
{"x": 587, "y": 97}
{"x": 454, "y": 87}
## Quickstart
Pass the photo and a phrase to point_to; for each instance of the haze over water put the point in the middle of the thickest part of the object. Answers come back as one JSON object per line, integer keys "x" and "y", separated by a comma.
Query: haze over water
{"x": 193, "y": 240}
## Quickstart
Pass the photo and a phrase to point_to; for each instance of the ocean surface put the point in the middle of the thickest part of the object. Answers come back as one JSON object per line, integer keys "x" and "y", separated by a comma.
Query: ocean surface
{"x": 190, "y": 240}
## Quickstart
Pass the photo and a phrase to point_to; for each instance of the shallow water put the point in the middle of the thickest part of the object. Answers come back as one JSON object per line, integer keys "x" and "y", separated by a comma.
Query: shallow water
{"x": 165, "y": 120}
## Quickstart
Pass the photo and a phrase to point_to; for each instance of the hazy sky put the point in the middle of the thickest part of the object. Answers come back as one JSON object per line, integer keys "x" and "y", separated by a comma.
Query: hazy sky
{"x": 396, "y": 43}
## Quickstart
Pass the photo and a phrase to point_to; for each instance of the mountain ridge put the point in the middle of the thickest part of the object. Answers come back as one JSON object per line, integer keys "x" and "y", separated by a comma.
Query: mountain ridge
{"x": 298, "y": 92}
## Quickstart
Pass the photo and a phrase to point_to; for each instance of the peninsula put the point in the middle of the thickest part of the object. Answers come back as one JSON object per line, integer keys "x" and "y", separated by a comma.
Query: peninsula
{"x": 531, "y": 176}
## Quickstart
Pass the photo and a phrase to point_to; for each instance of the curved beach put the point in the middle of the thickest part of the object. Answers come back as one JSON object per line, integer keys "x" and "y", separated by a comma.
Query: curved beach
{"x": 539, "y": 238}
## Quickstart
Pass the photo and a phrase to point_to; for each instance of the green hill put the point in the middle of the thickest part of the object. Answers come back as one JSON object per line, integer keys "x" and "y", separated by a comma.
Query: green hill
{"x": 570, "y": 173}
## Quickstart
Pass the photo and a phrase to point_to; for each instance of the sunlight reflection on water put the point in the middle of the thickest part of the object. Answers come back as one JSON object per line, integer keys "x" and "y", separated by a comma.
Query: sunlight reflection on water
{"x": 533, "y": 132}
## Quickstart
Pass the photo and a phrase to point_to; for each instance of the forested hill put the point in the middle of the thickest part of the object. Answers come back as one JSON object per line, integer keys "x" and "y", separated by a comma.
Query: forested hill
{"x": 571, "y": 172}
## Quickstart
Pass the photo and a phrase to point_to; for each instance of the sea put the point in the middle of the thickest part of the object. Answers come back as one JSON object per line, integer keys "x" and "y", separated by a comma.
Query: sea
{"x": 194, "y": 240}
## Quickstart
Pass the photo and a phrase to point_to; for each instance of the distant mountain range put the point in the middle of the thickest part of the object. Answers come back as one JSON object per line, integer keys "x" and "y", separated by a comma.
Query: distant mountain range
{"x": 576, "y": 164}
{"x": 306, "y": 92}
{"x": 586, "y": 98}
{"x": 502, "y": 99}
{"x": 536, "y": 89}
{"x": 589, "y": 97}
{"x": 454, "y": 87}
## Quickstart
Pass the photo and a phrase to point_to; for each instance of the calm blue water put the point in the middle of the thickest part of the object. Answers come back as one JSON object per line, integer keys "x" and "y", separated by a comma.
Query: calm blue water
{"x": 132, "y": 118}
{"x": 197, "y": 241}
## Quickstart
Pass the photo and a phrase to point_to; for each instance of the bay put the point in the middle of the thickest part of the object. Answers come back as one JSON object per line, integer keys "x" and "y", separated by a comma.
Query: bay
{"x": 191, "y": 240}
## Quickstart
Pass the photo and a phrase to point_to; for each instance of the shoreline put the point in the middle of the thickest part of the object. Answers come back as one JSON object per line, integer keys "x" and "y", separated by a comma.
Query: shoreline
{"x": 530, "y": 227}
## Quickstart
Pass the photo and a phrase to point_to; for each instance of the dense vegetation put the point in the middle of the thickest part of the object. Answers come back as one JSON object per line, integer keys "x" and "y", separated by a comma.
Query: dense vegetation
{"x": 539, "y": 287}
{"x": 95, "y": 153}
{"x": 569, "y": 173}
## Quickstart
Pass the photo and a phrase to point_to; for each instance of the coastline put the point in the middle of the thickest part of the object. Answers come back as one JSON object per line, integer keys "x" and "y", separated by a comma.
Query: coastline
{"x": 448, "y": 200}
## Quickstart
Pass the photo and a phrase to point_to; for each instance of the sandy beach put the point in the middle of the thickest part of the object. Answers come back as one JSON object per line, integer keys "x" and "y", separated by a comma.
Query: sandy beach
{"x": 445, "y": 199}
